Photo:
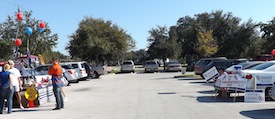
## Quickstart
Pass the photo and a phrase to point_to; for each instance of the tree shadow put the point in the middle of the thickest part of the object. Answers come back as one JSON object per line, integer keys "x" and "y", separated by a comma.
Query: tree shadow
{"x": 201, "y": 82}
{"x": 123, "y": 72}
{"x": 167, "y": 93}
{"x": 189, "y": 79}
{"x": 206, "y": 92}
{"x": 259, "y": 114}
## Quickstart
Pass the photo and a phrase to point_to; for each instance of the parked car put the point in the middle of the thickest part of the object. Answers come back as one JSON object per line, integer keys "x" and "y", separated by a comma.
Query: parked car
{"x": 43, "y": 70}
{"x": 173, "y": 66}
{"x": 90, "y": 71}
{"x": 70, "y": 73}
{"x": 100, "y": 70}
{"x": 127, "y": 66}
{"x": 202, "y": 64}
{"x": 264, "y": 71}
{"x": 151, "y": 66}
{"x": 223, "y": 64}
{"x": 245, "y": 65}
{"x": 80, "y": 68}
{"x": 264, "y": 57}
{"x": 190, "y": 66}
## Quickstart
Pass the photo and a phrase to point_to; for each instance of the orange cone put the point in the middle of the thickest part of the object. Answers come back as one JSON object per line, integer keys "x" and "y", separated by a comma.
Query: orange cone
{"x": 31, "y": 104}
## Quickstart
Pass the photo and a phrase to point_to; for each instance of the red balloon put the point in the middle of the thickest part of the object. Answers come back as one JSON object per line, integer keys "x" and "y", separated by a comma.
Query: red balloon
{"x": 19, "y": 16}
{"x": 273, "y": 52}
{"x": 42, "y": 25}
{"x": 18, "y": 42}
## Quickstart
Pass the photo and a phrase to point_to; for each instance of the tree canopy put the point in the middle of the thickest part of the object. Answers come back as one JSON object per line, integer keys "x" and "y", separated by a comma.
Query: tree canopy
{"x": 11, "y": 29}
{"x": 99, "y": 40}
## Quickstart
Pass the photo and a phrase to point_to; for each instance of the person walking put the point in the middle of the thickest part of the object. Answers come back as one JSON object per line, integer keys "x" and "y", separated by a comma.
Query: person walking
{"x": 16, "y": 82}
{"x": 56, "y": 72}
{"x": 6, "y": 89}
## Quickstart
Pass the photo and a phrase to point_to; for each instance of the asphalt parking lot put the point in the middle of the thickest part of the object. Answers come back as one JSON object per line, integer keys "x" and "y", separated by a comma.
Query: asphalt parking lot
{"x": 146, "y": 96}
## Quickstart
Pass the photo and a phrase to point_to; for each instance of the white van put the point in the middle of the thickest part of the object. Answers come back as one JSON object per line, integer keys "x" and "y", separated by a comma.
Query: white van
{"x": 80, "y": 68}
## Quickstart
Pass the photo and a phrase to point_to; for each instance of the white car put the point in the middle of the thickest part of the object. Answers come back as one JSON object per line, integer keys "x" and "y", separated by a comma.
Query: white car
{"x": 128, "y": 66}
{"x": 261, "y": 77}
{"x": 80, "y": 68}
{"x": 244, "y": 65}
{"x": 151, "y": 66}
{"x": 43, "y": 70}
{"x": 173, "y": 66}
{"x": 70, "y": 73}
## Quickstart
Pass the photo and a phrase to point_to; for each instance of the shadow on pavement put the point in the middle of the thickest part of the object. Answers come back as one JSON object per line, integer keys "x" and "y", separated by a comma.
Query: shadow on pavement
{"x": 164, "y": 78}
{"x": 206, "y": 92}
{"x": 190, "y": 78}
{"x": 198, "y": 82}
{"x": 259, "y": 114}
{"x": 33, "y": 109}
{"x": 167, "y": 93}
{"x": 122, "y": 72}
{"x": 215, "y": 99}
{"x": 81, "y": 89}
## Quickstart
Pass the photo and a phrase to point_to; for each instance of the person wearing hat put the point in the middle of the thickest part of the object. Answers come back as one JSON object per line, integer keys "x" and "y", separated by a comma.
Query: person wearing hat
{"x": 6, "y": 89}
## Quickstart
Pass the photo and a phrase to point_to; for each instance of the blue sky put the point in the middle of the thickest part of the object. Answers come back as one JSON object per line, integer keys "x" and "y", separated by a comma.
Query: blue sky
{"x": 137, "y": 17}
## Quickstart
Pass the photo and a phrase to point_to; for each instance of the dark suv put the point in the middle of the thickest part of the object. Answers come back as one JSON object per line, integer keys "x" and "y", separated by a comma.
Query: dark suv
{"x": 223, "y": 64}
{"x": 200, "y": 66}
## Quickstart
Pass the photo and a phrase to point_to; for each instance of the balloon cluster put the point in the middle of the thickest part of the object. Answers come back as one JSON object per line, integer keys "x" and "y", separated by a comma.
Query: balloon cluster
{"x": 28, "y": 30}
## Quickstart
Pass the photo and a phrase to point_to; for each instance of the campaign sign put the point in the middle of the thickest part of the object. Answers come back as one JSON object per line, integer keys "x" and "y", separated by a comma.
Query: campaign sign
{"x": 257, "y": 95}
{"x": 264, "y": 79}
{"x": 45, "y": 94}
{"x": 211, "y": 74}
{"x": 231, "y": 80}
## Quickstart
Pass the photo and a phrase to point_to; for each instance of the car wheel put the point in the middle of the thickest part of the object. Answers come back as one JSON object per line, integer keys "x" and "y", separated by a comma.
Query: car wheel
{"x": 96, "y": 75}
{"x": 68, "y": 84}
{"x": 268, "y": 93}
{"x": 93, "y": 75}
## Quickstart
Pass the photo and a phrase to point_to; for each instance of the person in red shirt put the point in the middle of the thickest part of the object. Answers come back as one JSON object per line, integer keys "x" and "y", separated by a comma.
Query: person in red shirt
{"x": 56, "y": 72}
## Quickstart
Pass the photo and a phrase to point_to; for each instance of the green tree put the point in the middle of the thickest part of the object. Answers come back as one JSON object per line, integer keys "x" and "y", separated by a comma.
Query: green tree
{"x": 268, "y": 30}
{"x": 39, "y": 41}
{"x": 99, "y": 40}
{"x": 206, "y": 44}
{"x": 163, "y": 43}
{"x": 234, "y": 40}
{"x": 158, "y": 47}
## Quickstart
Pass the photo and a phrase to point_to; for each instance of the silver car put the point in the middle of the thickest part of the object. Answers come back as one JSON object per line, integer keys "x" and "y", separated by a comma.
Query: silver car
{"x": 173, "y": 66}
{"x": 127, "y": 66}
{"x": 151, "y": 66}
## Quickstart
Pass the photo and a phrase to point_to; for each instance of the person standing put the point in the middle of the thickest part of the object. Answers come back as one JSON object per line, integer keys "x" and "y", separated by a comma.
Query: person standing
{"x": 56, "y": 72}
{"x": 6, "y": 89}
{"x": 16, "y": 82}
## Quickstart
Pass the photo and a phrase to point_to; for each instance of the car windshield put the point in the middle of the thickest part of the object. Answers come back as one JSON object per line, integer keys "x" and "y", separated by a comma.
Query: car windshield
{"x": 127, "y": 63}
{"x": 263, "y": 66}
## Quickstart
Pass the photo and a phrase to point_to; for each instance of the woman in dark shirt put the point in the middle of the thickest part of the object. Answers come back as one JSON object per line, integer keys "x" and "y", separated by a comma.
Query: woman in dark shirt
{"x": 6, "y": 89}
